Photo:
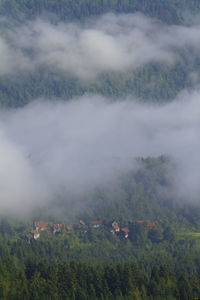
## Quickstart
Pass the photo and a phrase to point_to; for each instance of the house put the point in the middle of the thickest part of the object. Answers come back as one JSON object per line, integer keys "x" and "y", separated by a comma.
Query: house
{"x": 35, "y": 234}
{"x": 96, "y": 224}
{"x": 125, "y": 231}
{"x": 82, "y": 223}
{"x": 141, "y": 221}
{"x": 41, "y": 225}
{"x": 151, "y": 224}
{"x": 69, "y": 229}
{"x": 57, "y": 228}
{"x": 116, "y": 228}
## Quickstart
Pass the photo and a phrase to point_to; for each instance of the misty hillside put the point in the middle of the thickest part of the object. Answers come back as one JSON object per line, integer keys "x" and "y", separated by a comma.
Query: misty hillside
{"x": 34, "y": 64}
{"x": 129, "y": 71}
{"x": 99, "y": 149}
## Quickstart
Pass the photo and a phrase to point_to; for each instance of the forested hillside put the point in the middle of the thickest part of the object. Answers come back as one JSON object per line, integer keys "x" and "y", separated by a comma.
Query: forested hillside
{"x": 99, "y": 149}
{"x": 159, "y": 227}
{"x": 171, "y": 12}
{"x": 20, "y": 90}
{"x": 82, "y": 282}
{"x": 21, "y": 87}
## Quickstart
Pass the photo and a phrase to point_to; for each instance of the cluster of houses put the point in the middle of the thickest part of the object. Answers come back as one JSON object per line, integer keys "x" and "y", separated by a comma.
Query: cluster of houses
{"x": 114, "y": 227}
{"x": 41, "y": 226}
{"x": 56, "y": 228}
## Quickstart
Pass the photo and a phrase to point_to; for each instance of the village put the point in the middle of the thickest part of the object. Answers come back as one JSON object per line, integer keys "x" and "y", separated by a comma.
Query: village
{"x": 113, "y": 227}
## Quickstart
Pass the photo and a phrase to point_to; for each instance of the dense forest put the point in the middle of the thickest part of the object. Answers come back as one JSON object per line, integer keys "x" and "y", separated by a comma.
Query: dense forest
{"x": 81, "y": 282}
{"x": 135, "y": 237}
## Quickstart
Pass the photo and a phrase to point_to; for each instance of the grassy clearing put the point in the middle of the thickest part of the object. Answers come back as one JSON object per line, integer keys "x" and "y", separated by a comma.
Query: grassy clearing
{"x": 190, "y": 234}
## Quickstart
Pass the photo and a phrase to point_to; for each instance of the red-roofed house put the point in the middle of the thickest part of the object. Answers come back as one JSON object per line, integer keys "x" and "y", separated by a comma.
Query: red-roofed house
{"x": 151, "y": 224}
{"x": 82, "y": 223}
{"x": 141, "y": 221}
{"x": 96, "y": 224}
{"x": 35, "y": 234}
{"x": 125, "y": 231}
{"x": 116, "y": 228}
{"x": 69, "y": 229}
{"x": 57, "y": 228}
{"x": 41, "y": 225}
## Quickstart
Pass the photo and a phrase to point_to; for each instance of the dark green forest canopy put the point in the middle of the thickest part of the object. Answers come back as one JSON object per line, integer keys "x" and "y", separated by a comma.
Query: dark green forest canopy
{"x": 169, "y": 11}
{"x": 78, "y": 281}
{"x": 153, "y": 82}
{"x": 19, "y": 90}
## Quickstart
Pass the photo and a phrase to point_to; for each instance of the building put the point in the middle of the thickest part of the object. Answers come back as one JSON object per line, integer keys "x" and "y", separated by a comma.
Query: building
{"x": 96, "y": 224}
{"x": 82, "y": 223}
{"x": 69, "y": 229}
{"x": 57, "y": 228}
{"x": 125, "y": 231}
{"x": 41, "y": 225}
{"x": 151, "y": 224}
{"x": 141, "y": 221}
{"x": 115, "y": 226}
{"x": 35, "y": 234}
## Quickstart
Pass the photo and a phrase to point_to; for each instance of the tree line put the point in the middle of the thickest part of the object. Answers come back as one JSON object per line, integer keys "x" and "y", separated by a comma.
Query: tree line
{"x": 78, "y": 281}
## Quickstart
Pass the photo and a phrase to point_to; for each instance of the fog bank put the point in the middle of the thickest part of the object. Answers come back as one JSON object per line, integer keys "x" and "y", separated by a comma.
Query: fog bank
{"x": 53, "y": 149}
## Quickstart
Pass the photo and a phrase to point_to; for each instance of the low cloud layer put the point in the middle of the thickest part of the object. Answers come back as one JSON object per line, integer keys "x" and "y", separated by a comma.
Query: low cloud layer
{"x": 108, "y": 43}
{"x": 52, "y": 149}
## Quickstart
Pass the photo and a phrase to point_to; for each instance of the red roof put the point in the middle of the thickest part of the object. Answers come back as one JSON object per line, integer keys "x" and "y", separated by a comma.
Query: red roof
{"x": 125, "y": 230}
{"x": 151, "y": 224}
{"x": 116, "y": 227}
{"x": 82, "y": 222}
{"x": 96, "y": 222}
{"x": 141, "y": 221}
{"x": 41, "y": 224}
